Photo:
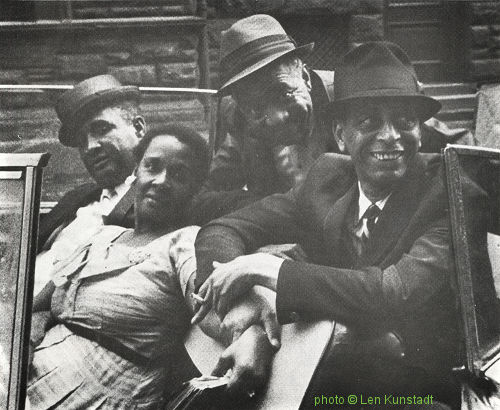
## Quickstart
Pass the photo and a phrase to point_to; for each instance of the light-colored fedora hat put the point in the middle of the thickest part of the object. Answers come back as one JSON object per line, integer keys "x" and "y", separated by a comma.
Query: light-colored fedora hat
{"x": 88, "y": 96}
{"x": 252, "y": 43}
{"x": 376, "y": 70}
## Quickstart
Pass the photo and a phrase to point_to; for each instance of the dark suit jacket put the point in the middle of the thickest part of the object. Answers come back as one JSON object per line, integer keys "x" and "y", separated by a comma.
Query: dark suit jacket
{"x": 401, "y": 284}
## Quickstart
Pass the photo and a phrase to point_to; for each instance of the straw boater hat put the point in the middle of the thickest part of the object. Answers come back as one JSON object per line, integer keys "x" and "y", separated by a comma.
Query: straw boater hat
{"x": 86, "y": 97}
{"x": 252, "y": 43}
{"x": 377, "y": 70}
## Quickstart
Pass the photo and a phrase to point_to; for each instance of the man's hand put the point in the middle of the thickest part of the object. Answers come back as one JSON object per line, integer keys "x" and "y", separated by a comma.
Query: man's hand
{"x": 249, "y": 359}
{"x": 231, "y": 280}
{"x": 256, "y": 309}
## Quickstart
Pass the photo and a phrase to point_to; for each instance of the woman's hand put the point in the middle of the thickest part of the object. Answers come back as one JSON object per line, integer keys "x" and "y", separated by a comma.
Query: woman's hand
{"x": 231, "y": 280}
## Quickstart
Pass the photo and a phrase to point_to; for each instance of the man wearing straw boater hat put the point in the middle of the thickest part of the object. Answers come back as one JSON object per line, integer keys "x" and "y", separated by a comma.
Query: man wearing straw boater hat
{"x": 375, "y": 226}
{"x": 274, "y": 121}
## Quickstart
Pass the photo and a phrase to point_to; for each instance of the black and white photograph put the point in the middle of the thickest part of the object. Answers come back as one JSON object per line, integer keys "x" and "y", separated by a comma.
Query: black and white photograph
{"x": 249, "y": 204}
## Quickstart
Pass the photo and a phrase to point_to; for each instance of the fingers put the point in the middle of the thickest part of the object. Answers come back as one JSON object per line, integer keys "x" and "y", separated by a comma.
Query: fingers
{"x": 200, "y": 314}
{"x": 230, "y": 331}
{"x": 245, "y": 379}
{"x": 221, "y": 305}
{"x": 272, "y": 329}
{"x": 223, "y": 365}
{"x": 203, "y": 302}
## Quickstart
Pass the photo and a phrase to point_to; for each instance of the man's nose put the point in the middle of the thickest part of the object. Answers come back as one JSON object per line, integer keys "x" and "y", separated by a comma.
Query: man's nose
{"x": 292, "y": 109}
{"x": 91, "y": 142}
{"x": 162, "y": 178}
{"x": 388, "y": 132}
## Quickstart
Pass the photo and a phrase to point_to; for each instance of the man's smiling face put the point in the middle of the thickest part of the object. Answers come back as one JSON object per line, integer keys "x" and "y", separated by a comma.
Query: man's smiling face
{"x": 276, "y": 102}
{"x": 382, "y": 138}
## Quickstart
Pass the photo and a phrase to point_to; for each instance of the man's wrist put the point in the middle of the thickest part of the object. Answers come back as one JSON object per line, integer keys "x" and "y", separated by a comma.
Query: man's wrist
{"x": 268, "y": 277}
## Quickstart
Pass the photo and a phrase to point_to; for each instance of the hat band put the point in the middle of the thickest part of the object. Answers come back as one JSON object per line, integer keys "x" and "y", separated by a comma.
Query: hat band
{"x": 254, "y": 51}
{"x": 377, "y": 80}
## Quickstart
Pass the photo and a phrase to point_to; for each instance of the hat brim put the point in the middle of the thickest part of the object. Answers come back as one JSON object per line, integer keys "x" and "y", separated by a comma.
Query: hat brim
{"x": 425, "y": 107}
{"x": 301, "y": 51}
{"x": 92, "y": 103}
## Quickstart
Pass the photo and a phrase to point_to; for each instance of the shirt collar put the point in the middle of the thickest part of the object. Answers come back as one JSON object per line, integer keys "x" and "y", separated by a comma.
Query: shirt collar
{"x": 364, "y": 202}
{"x": 118, "y": 190}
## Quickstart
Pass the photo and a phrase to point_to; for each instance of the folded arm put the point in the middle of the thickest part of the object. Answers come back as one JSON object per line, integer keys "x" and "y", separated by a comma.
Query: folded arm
{"x": 352, "y": 296}
{"x": 270, "y": 220}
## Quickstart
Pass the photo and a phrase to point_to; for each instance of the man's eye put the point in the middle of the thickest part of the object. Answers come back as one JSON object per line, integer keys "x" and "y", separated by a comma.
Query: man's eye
{"x": 406, "y": 122}
{"x": 151, "y": 165}
{"x": 101, "y": 129}
{"x": 366, "y": 122}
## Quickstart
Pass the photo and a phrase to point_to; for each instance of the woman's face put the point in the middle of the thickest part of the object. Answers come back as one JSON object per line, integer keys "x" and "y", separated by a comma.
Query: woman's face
{"x": 166, "y": 181}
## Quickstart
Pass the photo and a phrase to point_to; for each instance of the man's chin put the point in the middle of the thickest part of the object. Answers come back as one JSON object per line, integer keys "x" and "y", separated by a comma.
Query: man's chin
{"x": 108, "y": 180}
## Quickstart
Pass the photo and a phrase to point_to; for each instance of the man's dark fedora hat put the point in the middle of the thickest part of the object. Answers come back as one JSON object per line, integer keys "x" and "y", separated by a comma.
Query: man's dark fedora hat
{"x": 377, "y": 70}
{"x": 86, "y": 97}
{"x": 252, "y": 43}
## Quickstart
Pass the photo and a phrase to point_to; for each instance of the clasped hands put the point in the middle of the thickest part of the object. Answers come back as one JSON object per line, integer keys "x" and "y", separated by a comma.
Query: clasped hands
{"x": 246, "y": 315}
{"x": 230, "y": 281}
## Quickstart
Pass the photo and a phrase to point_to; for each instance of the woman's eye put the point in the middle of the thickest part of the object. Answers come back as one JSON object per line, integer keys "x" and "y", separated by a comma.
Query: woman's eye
{"x": 151, "y": 165}
{"x": 180, "y": 175}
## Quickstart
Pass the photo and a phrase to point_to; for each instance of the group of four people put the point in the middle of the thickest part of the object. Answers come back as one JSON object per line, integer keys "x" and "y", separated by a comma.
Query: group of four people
{"x": 370, "y": 216}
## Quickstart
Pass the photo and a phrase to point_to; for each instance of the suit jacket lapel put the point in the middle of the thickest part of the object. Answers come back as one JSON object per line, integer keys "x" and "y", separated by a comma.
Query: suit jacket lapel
{"x": 333, "y": 225}
{"x": 394, "y": 217}
{"x": 118, "y": 215}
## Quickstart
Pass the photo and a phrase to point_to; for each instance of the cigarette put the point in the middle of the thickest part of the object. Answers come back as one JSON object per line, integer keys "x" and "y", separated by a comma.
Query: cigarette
{"x": 198, "y": 298}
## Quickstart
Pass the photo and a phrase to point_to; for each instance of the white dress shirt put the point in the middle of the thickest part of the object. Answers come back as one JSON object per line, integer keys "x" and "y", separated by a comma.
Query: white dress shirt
{"x": 86, "y": 224}
{"x": 363, "y": 204}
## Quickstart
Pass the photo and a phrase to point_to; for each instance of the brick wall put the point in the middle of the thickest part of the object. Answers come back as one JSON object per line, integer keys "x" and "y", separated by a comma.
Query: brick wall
{"x": 333, "y": 25}
{"x": 485, "y": 40}
{"x": 146, "y": 56}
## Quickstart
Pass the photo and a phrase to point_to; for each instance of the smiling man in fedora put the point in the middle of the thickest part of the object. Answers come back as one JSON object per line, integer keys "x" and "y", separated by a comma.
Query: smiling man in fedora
{"x": 375, "y": 226}
{"x": 100, "y": 117}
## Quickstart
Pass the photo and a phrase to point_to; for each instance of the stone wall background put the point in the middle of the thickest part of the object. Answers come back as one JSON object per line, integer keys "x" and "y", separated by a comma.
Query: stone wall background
{"x": 485, "y": 40}
{"x": 149, "y": 56}
{"x": 154, "y": 54}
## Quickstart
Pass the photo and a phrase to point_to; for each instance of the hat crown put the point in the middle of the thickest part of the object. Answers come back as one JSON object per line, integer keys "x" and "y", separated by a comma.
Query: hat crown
{"x": 88, "y": 96}
{"x": 71, "y": 98}
{"x": 247, "y": 30}
{"x": 252, "y": 43}
{"x": 375, "y": 68}
{"x": 380, "y": 69}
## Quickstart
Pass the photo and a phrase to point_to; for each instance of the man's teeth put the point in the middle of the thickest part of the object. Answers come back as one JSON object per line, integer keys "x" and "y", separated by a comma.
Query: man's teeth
{"x": 387, "y": 156}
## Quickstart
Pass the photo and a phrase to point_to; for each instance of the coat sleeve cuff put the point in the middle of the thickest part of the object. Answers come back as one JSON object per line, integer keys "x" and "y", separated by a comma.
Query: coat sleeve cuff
{"x": 288, "y": 292}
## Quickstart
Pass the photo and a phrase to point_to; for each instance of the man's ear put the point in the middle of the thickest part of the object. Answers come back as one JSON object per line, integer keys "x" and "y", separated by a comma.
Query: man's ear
{"x": 139, "y": 124}
{"x": 306, "y": 76}
{"x": 339, "y": 137}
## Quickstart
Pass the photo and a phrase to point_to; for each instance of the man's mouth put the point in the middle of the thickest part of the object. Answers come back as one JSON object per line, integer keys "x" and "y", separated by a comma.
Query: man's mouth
{"x": 387, "y": 155}
{"x": 100, "y": 162}
{"x": 156, "y": 197}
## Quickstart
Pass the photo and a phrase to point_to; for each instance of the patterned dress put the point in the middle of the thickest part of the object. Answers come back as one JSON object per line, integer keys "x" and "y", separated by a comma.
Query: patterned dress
{"x": 134, "y": 296}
